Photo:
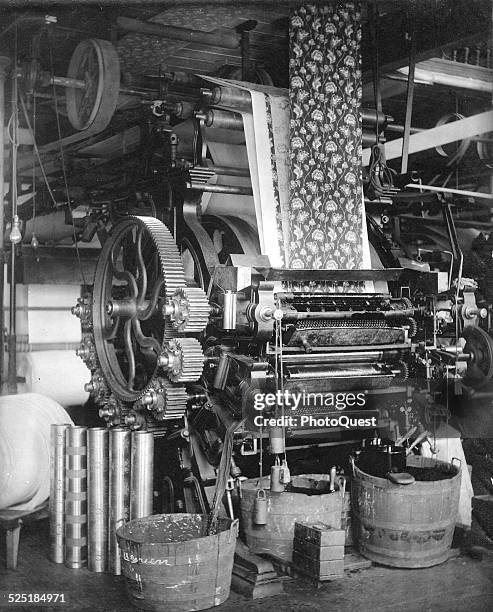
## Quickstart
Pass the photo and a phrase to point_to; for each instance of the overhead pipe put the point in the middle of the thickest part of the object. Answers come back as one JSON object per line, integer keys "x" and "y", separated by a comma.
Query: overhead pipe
{"x": 4, "y": 64}
{"x": 149, "y": 28}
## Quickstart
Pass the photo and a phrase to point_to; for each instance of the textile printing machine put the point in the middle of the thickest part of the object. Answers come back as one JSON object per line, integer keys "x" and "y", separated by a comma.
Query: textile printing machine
{"x": 188, "y": 363}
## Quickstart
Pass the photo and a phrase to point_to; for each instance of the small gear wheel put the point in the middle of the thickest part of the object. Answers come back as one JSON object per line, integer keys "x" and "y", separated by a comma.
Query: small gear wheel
{"x": 188, "y": 310}
{"x": 164, "y": 399}
{"x": 413, "y": 326}
{"x": 404, "y": 371}
{"x": 183, "y": 360}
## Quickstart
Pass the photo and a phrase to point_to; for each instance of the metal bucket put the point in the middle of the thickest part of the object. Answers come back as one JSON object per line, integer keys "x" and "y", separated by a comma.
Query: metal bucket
{"x": 283, "y": 510}
{"x": 169, "y": 562}
{"x": 406, "y": 525}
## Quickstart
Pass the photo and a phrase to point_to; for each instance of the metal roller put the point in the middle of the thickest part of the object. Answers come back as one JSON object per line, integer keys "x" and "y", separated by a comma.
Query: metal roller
{"x": 217, "y": 118}
{"x": 97, "y": 493}
{"x": 141, "y": 471}
{"x": 76, "y": 497}
{"x": 119, "y": 492}
{"x": 57, "y": 491}
{"x": 231, "y": 97}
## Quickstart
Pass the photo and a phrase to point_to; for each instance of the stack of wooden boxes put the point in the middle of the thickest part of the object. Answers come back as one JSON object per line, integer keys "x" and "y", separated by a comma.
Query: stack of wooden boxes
{"x": 318, "y": 550}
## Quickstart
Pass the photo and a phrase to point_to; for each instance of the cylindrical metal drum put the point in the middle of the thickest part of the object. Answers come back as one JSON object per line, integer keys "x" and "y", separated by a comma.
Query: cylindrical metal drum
{"x": 97, "y": 499}
{"x": 57, "y": 491}
{"x": 406, "y": 525}
{"x": 170, "y": 563}
{"x": 141, "y": 472}
{"x": 119, "y": 498}
{"x": 76, "y": 497}
{"x": 284, "y": 509}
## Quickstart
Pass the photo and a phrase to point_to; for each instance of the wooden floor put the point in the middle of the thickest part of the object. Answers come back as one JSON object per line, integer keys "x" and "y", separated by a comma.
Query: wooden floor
{"x": 460, "y": 585}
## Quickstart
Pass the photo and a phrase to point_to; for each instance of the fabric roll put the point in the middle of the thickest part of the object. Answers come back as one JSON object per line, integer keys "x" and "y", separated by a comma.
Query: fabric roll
{"x": 326, "y": 204}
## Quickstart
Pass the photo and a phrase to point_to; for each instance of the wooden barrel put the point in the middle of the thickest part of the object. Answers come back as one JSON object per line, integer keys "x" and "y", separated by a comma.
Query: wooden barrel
{"x": 283, "y": 510}
{"x": 169, "y": 563}
{"x": 406, "y": 525}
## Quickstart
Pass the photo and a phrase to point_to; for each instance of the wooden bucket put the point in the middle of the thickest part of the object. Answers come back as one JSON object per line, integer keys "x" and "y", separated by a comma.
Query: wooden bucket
{"x": 169, "y": 563}
{"x": 406, "y": 525}
{"x": 283, "y": 510}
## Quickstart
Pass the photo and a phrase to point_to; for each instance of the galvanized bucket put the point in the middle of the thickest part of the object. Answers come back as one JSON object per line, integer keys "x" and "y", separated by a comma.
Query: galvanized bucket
{"x": 170, "y": 563}
{"x": 406, "y": 525}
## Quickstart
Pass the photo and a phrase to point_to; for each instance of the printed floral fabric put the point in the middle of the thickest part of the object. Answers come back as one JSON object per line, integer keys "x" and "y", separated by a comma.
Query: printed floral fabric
{"x": 326, "y": 205}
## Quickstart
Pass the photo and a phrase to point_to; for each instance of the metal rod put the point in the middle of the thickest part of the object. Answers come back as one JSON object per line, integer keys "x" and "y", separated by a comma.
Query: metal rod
{"x": 232, "y": 189}
{"x": 216, "y": 39}
{"x": 57, "y": 491}
{"x": 229, "y": 171}
{"x": 141, "y": 473}
{"x": 76, "y": 497}
{"x": 4, "y": 64}
{"x": 289, "y": 315}
{"x": 68, "y": 82}
{"x": 97, "y": 498}
{"x": 12, "y": 366}
{"x": 119, "y": 492}
{"x": 469, "y": 194}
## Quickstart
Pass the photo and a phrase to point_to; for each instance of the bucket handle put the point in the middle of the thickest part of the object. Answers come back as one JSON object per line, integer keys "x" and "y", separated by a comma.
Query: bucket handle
{"x": 234, "y": 530}
{"x": 351, "y": 460}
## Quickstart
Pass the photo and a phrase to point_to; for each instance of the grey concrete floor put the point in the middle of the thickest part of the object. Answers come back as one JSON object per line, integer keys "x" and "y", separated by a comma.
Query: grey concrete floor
{"x": 460, "y": 584}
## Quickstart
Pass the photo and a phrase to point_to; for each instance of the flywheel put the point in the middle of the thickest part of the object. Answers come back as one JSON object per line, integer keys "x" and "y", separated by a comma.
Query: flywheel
{"x": 138, "y": 273}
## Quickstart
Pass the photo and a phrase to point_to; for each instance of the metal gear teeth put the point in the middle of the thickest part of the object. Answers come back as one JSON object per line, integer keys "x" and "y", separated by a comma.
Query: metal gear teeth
{"x": 175, "y": 401}
{"x": 191, "y": 360}
{"x": 197, "y": 307}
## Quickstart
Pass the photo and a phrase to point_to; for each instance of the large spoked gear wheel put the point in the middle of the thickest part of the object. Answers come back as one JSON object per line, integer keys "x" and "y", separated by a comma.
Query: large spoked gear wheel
{"x": 138, "y": 271}
{"x": 183, "y": 360}
{"x": 188, "y": 310}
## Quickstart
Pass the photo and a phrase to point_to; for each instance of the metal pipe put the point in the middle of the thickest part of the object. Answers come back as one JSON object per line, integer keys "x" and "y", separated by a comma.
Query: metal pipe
{"x": 119, "y": 492}
{"x": 462, "y": 192}
{"x": 141, "y": 472}
{"x": 232, "y": 189}
{"x": 4, "y": 64}
{"x": 57, "y": 491}
{"x": 76, "y": 497}
{"x": 216, "y": 39}
{"x": 97, "y": 498}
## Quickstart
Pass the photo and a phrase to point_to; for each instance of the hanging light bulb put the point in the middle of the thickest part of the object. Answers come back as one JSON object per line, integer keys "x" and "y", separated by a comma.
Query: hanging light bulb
{"x": 34, "y": 242}
{"x": 15, "y": 232}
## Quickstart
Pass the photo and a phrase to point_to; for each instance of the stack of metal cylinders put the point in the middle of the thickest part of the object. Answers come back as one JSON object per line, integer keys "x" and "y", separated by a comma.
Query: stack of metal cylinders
{"x": 100, "y": 479}
{"x": 119, "y": 493}
{"x": 57, "y": 492}
{"x": 75, "y": 555}
{"x": 97, "y": 496}
{"x": 141, "y": 471}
